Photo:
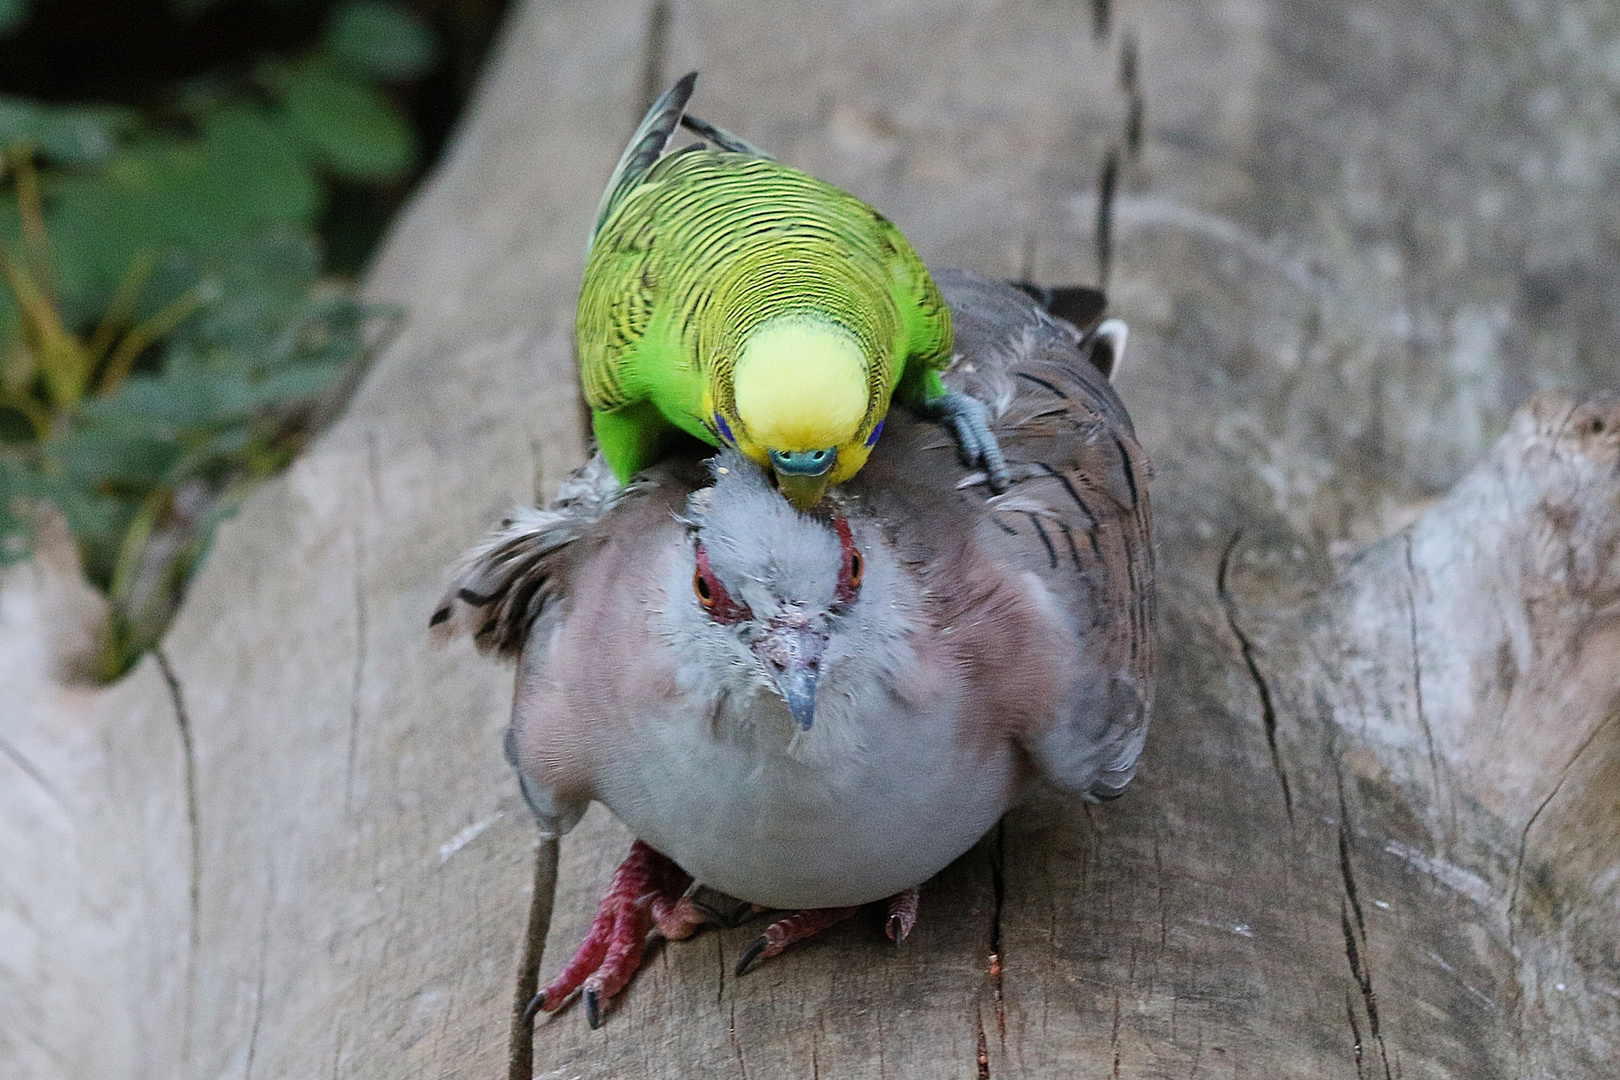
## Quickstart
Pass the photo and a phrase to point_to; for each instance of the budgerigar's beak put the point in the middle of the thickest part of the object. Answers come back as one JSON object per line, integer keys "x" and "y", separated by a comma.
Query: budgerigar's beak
{"x": 802, "y": 474}
{"x": 791, "y": 654}
{"x": 802, "y": 491}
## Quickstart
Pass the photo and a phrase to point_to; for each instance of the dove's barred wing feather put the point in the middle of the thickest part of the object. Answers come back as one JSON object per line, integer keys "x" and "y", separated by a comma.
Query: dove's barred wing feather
{"x": 1076, "y": 517}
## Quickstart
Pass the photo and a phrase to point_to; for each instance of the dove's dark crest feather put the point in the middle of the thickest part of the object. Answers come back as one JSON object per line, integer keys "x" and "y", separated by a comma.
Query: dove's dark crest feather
{"x": 499, "y": 588}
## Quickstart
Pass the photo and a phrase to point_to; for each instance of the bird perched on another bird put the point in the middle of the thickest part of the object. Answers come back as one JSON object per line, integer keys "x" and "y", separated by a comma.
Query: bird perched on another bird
{"x": 751, "y": 305}
{"x": 811, "y": 711}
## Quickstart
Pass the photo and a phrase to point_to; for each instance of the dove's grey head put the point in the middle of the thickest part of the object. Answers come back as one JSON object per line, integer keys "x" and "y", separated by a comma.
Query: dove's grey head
{"x": 768, "y": 598}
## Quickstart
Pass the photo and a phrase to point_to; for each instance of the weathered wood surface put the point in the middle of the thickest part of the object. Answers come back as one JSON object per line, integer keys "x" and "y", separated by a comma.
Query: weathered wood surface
{"x": 1373, "y": 832}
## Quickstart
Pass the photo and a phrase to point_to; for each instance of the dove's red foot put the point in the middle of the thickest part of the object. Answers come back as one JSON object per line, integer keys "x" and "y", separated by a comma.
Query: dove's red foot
{"x": 646, "y": 891}
{"x": 784, "y": 932}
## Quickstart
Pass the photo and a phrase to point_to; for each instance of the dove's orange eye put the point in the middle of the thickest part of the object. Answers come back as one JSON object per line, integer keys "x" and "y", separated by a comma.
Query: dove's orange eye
{"x": 857, "y": 569}
{"x": 712, "y": 595}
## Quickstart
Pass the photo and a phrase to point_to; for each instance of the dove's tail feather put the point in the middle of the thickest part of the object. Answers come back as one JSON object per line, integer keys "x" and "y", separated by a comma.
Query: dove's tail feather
{"x": 500, "y": 587}
{"x": 645, "y": 148}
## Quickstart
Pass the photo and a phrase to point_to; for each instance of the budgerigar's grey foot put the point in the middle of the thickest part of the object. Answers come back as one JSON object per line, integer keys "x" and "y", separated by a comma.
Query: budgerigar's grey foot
{"x": 970, "y": 422}
{"x": 784, "y": 932}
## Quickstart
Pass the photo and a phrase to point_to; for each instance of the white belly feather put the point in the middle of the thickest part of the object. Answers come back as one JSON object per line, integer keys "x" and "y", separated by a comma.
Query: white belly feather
{"x": 845, "y": 813}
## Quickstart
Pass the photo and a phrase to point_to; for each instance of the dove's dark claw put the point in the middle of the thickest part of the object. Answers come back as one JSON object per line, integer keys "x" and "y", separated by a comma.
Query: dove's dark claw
{"x": 750, "y": 954}
{"x": 611, "y": 951}
{"x": 536, "y": 1004}
{"x": 970, "y": 423}
{"x": 784, "y": 932}
{"x": 902, "y": 914}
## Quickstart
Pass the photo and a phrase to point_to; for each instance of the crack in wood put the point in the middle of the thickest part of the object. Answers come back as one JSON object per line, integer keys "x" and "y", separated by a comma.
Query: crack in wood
{"x": 258, "y": 995}
{"x": 998, "y": 963}
{"x": 1135, "y": 100}
{"x": 358, "y": 679}
{"x": 1355, "y": 1032}
{"x": 193, "y": 823}
{"x": 1524, "y": 834}
{"x": 1113, "y": 1038}
{"x": 1268, "y": 711}
{"x": 520, "y": 1052}
{"x": 1417, "y": 685}
{"x": 1107, "y": 184}
{"x": 656, "y": 59}
{"x": 32, "y": 771}
{"x": 1355, "y": 947}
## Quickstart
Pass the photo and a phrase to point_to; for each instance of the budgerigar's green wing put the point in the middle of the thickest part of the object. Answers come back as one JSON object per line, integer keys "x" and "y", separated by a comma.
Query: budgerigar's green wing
{"x": 926, "y": 321}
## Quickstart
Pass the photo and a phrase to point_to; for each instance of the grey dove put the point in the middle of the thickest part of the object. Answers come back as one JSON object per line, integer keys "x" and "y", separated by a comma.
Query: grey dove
{"x": 813, "y": 711}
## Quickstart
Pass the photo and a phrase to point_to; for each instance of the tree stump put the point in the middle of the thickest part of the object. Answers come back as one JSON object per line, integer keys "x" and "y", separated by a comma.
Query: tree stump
{"x": 1373, "y": 833}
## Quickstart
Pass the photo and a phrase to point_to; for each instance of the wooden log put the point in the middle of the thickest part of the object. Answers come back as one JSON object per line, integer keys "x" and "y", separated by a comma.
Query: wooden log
{"x": 1373, "y": 830}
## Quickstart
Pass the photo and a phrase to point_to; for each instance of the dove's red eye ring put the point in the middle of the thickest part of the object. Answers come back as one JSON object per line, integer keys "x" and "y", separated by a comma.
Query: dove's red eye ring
{"x": 712, "y": 595}
{"x": 853, "y": 570}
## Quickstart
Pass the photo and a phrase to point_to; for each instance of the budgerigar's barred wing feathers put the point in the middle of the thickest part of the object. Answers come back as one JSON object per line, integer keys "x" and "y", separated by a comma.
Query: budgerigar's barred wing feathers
{"x": 1076, "y": 515}
{"x": 722, "y": 138}
{"x": 714, "y": 223}
{"x": 499, "y": 588}
{"x": 646, "y": 147}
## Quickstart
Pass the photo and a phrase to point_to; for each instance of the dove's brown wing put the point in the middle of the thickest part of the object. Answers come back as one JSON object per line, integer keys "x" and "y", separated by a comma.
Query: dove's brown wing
{"x": 1076, "y": 517}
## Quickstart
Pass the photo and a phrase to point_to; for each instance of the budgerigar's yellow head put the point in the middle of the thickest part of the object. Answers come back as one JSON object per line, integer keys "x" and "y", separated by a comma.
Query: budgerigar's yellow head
{"x": 802, "y": 405}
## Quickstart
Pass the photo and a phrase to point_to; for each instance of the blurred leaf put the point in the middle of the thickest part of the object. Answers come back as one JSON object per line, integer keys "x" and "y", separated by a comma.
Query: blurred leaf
{"x": 374, "y": 39}
{"x": 12, "y": 14}
{"x": 352, "y": 127}
{"x": 98, "y": 458}
{"x": 257, "y": 169}
{"x": 73, "y": 135}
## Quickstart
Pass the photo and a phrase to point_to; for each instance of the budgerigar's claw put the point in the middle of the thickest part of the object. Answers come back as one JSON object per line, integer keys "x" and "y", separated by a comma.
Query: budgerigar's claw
{"x": 970, "y": 422}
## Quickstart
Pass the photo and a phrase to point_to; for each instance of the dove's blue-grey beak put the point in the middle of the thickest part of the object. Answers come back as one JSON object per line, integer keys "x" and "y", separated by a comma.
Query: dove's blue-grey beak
{"x": 791, "y": 653}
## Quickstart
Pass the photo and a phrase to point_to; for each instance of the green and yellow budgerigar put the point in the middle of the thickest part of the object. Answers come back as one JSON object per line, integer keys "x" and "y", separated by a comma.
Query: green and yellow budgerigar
{"x": 749, "y": 304}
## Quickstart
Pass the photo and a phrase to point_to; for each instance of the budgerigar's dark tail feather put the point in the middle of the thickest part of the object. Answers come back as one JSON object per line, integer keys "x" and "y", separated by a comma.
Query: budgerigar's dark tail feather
{"x": 646, "y": 146}
{"x": 722, "y": 138}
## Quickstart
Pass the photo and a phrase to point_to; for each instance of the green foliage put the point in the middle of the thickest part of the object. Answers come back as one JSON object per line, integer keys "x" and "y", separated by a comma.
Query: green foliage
{"x": 12, "y": 15}
{"x": 347, "y": 125}
{"x": 166, "y": 329}
{"x": 375, "y": 40}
